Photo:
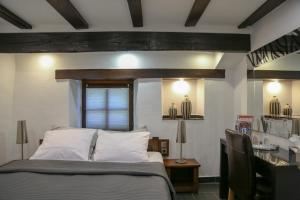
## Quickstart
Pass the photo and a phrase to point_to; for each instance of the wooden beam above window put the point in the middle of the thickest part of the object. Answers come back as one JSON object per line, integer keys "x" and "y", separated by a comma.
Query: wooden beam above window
{"x": 113, "y": 74}
{"x": 273, "y": 74}
{"x": 13, "y": 18}
{"x": 196, "y": 12}
{"x": 262, "y": 11}
{"x": 135, "y": 8}
{"x": 66, "y": 9}
{"x": 122, "y": 41}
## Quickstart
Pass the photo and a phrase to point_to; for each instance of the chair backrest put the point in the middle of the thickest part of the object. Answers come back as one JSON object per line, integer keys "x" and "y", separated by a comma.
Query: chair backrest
{"x": 241, "y": 164}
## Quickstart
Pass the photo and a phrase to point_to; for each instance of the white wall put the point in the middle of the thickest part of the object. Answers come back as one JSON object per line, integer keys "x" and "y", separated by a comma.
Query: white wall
{"x": 143, "y": 59}
{"x": 46, "y": 103}
{"x": 295, "y": 97}
{"x": 238, "y": 80}
{"x": 39, "y": 99}
{"x": 279, "y": 22}
{"x": 7, "y": 77}
{"x": 202, "y": 136}
{"x": 255, "y": 98}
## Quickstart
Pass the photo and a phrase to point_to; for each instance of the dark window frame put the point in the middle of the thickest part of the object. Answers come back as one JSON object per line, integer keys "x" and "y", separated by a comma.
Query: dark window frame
{"x": 107, "y": 84}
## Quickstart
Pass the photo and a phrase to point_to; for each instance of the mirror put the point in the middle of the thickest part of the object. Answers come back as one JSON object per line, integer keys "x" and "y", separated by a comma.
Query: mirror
{"x": 273, "y": 87}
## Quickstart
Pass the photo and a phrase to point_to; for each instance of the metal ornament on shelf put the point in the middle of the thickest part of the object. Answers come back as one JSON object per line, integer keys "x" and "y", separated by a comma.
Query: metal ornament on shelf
{"x": 275, "y": 108}
{"x": 186, "y": 108}
{"x": 173, "y": 111}
{"x": 287, "y": 110}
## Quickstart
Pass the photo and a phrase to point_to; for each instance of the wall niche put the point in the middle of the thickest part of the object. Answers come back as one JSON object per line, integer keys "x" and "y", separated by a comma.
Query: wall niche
{"x": 286, "y": 91}
{"x": 175, "y": 91}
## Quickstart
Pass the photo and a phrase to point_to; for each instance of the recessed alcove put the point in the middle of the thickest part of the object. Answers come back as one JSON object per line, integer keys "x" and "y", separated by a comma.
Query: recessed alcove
{"x": 287, "y": 92}
{"x": 175, "y": 90}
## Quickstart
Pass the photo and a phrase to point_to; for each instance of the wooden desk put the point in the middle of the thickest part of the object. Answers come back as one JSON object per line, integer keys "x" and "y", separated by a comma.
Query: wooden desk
{"x": 274, "y": 165}
{"x": 184, "y": 177}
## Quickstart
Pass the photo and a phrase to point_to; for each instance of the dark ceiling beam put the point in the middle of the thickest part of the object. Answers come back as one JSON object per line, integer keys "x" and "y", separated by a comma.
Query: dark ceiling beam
{"x": 13, "y": 18}
{"x": 98, "y": 74}
{"x": 262, "y": 11}
{"x": 273, "y": 74}
{"x": 66, "y": 9}
{"x": 135, "y": 8}
{"x": 196, "y": 12}
{"x": 122, "y": 41}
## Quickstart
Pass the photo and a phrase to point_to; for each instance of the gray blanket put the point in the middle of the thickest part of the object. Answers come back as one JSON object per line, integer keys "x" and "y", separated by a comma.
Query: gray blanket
{"x": 72, "y": 180}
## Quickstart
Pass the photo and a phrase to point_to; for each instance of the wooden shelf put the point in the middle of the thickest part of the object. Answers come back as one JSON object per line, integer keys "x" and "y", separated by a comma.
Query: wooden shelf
{"x": 281, "y": 117}
{"x": 193, "y": 117}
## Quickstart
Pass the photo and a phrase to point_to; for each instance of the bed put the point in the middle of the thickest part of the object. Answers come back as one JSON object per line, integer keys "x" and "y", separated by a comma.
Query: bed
{"x": 85, "y": 180}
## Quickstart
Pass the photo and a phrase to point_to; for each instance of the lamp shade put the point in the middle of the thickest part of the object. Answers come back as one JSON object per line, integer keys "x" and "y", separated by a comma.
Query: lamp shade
{"x": 22, "y": 137}
{"x": 181, "y": 132}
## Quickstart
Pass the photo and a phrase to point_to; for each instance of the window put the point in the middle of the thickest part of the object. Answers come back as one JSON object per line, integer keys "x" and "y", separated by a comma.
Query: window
{"x": 107, "y": 105}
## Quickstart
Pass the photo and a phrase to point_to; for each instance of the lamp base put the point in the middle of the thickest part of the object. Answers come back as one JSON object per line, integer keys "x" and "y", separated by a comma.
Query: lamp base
{"x": 181, "y": 161}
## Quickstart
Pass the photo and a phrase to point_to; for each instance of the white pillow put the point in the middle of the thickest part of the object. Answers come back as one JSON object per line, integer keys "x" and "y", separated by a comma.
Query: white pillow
{"x": 122, "y": 147}
{"x": 69, "y": 144}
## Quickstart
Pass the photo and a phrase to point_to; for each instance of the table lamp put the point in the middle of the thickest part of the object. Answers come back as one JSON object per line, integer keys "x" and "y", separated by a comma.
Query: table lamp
{"x": 22, "y": 137}
{"x": 181, "y": 138}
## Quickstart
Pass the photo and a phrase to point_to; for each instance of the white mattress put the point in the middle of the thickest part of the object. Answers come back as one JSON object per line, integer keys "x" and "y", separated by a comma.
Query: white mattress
{"x": 155, "y": 157}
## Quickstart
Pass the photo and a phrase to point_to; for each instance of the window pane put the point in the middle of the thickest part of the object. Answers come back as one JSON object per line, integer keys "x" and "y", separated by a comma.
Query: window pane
{"x": 95, "y": 98}
{"x": 118, "y": 120}
{"x": 95, "y": 119}
{"x": 118, "y": 98}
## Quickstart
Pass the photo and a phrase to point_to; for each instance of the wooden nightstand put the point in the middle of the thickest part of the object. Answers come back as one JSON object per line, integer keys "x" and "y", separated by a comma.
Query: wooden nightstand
{"x": 184, "y": 177}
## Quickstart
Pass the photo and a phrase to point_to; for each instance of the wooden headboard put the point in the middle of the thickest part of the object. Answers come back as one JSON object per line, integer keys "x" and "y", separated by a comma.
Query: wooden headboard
{"x": 155, "y": 144}
{"x": 159, "y": 145}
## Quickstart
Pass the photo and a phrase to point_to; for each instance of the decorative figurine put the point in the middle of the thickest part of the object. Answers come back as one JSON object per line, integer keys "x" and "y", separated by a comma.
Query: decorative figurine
{"x": 173, "y": 111}
{"x": 186, "y": 108}
{"x": 275, "y": 106}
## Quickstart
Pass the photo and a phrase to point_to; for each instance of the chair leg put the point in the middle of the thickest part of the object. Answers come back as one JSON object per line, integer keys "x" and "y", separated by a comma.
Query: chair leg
{"x": 230, "y": 194}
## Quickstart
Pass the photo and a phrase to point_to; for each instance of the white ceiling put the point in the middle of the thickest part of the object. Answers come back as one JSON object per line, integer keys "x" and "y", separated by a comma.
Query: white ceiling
{"x": 159, "y": 15}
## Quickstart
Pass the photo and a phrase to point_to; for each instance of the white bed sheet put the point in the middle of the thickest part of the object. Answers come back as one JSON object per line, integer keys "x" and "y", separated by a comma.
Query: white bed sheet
{"x": 155, "y": 157}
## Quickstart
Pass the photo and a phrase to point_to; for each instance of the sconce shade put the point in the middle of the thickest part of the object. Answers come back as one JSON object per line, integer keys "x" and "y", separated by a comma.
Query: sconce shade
{"x": 22, "y": 137}
{"x": 181, "y": 132}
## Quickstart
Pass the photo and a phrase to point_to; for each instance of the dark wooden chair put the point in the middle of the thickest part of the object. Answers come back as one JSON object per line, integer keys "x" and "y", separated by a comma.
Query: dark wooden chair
{"x": 243, "y": 182}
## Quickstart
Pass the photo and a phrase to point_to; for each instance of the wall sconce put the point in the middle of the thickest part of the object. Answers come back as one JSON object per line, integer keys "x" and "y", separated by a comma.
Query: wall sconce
{"x": 274, "y": 87}
{"x": 46, "y": 62}
{"x": 181, "y": 87}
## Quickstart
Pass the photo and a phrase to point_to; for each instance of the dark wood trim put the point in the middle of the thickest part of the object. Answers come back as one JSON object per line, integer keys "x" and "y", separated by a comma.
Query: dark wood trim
{"x": 136, "y": 13}
{"x": 196, "y": 12}
{"x": 68, "y": 11}
{"x": 117, "y": 74}
{"x": 83, "y": 103}
{"x": 279, "y": 117}
{"x": 122, "y": 41}
{"x": 13, "y": 18}
{"x": 210, "y": 179}
{"x": 107, "y": 84}
{"x": 262, "y": 11}
{"x": 131, "y": 93}
{"x": 273, "y": 74}
{"x": 193, "y": 117}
